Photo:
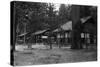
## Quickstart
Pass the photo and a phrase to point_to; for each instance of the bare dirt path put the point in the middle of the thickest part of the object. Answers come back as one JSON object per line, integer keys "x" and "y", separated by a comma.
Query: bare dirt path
{"x": 56, "y": 55}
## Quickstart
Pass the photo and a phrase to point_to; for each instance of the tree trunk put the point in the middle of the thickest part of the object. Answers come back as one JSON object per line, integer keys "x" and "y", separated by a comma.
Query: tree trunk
{"x": 50, "y": 45}
{"x": 76, "y": 34}
{"x": 50, "y": 42}
{"x": 24, "y": 33}
{"x": 60, "y": 39}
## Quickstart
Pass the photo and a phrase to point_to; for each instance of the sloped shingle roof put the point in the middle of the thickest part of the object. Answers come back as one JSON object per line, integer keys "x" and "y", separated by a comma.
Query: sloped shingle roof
{"x": 66, "y": 26}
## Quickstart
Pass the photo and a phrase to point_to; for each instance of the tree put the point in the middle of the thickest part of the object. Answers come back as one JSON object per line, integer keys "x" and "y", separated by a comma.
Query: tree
{"x": 38, "y": 18}
{"x": 76, "y": 27}
{"x": 51, "y": 21}
{"x": 79, "y": 12}
{"x": 64, "y": 12}
{"x": 29, "y": 17}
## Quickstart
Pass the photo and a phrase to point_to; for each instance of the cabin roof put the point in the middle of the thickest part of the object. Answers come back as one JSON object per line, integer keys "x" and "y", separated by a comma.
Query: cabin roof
{"x": 39, "y": 32}
{"x": 66, "y": 26}
{"x": 22, "y": 34}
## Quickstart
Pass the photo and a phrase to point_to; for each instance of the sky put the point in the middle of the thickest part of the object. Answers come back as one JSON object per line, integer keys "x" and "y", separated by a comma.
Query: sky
{"x": 57, "y": 6}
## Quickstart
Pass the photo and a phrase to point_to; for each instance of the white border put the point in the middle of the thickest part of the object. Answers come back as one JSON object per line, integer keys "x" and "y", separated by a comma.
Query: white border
{"x": 5, "y": 33}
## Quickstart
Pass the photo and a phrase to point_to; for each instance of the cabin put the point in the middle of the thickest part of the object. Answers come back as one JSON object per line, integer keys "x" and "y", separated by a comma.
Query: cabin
{"x": 89, "y": 30}
{"x": 88, "y": 33}
{"x": 62, "y": 34}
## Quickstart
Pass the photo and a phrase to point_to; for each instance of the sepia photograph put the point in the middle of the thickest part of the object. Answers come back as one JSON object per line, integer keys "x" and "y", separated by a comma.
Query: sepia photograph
{"x": 52, "y": 33}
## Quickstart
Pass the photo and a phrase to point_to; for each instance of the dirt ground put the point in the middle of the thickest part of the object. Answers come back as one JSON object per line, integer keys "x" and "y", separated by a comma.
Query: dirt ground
{"x": 53, "y": 56}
